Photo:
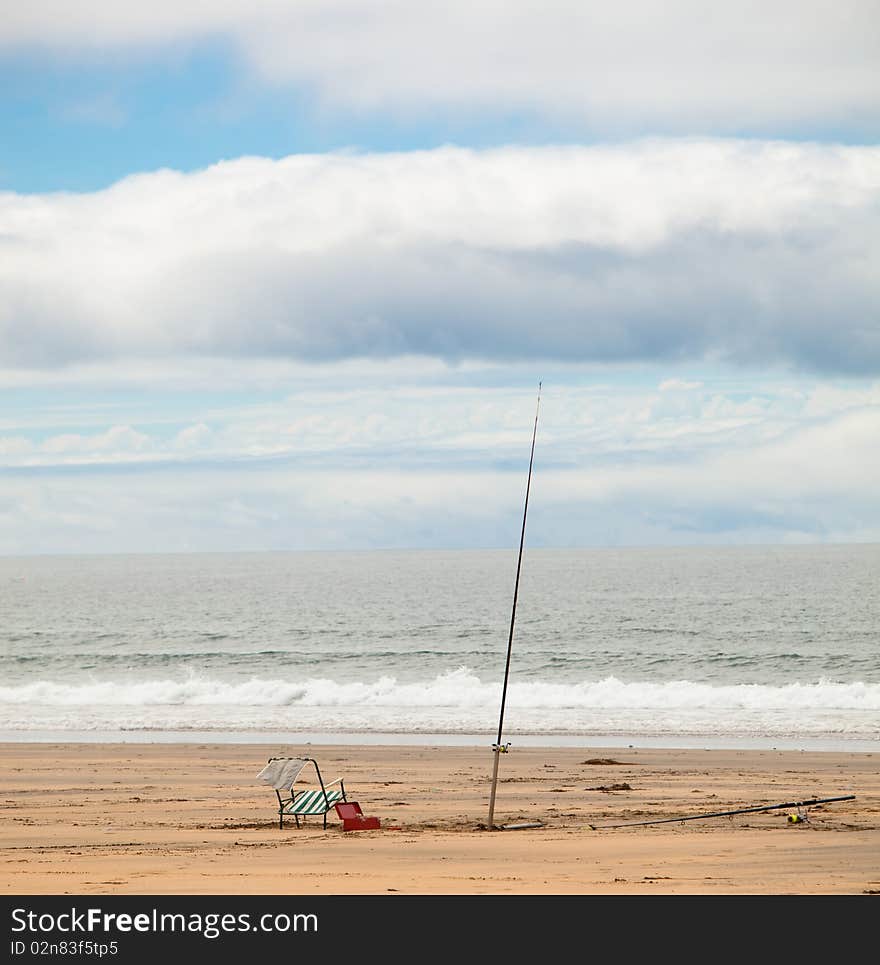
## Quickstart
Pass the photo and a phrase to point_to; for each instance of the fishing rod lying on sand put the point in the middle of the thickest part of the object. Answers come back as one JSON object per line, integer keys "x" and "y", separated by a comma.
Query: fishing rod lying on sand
{"x": 724, "y": 814}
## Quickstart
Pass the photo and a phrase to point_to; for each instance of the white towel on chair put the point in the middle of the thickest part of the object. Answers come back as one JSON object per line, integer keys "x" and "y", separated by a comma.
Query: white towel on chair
{"x": 281, "y": 772}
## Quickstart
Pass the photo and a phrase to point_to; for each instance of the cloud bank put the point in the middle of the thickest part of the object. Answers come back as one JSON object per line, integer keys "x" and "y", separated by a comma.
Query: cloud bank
{"x": 657, "y": 65}
{"x": 819, "y": 485}
{"x": 401, "y": 463}
{"x": 737, "y": 251}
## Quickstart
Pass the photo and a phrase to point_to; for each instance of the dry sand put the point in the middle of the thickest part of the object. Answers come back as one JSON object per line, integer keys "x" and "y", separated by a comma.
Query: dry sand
{"x": 174, "y": 819}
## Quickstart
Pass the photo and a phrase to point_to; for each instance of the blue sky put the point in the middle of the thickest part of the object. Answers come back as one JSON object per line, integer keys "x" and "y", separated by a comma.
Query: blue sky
{"x": 80, "y": 126}
{"x": 287, "y": 275}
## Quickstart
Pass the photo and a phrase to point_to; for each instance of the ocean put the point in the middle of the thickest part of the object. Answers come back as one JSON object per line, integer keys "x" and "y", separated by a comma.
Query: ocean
{"x": 687, "y": 647}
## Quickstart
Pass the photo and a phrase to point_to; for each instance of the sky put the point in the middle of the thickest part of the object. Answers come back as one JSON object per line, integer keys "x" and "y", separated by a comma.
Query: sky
{"x": 286, "y": 274}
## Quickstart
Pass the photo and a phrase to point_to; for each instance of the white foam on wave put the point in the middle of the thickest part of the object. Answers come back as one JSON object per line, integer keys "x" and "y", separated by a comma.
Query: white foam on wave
{"x": 454, "y": 702}
{"x": 457, "y": 688}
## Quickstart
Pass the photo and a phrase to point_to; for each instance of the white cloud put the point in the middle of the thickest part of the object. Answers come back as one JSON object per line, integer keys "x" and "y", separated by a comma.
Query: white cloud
{"x": 816, "y": 484}
{"x": 414, "y": 418}
{"x": 726, "y": 250}
{"x": 192, "y": 437}
{"x": 115, "y": 439}
{"x": 661, "y": 65}
{"x": 678, "y": 385}
{"x": 410, "y": 465}
{"x": 118, "y": 443}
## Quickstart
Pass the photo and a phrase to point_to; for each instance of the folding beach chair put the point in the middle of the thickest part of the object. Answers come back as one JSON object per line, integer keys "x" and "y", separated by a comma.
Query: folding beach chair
{"x": 281, "y": 773}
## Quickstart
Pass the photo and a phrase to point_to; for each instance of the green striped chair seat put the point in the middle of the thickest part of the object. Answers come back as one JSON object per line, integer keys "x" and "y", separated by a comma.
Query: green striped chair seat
{"x": 281, "y": 773}
{"x": 312, "y": 802}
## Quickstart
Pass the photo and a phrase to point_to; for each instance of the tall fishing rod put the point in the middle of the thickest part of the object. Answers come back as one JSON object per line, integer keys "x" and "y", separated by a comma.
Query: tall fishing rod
{"x": 499, "y": 748}
{"x": 724, "y": 814}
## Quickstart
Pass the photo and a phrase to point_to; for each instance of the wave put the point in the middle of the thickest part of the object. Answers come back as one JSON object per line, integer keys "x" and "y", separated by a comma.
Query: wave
{"x": 456, "y": 702}
{"x": 457, "y": 688}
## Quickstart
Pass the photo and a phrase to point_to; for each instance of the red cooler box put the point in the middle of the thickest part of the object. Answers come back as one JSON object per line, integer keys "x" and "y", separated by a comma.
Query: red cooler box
{"x": 353, "y": 818}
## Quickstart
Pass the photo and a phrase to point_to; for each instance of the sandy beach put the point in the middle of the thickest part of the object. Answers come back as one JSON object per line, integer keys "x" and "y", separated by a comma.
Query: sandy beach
{"x": 161, "y": 819}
